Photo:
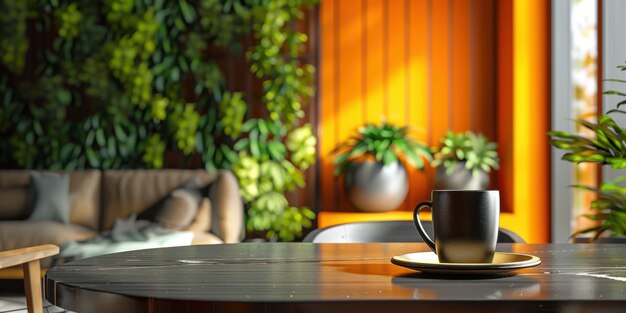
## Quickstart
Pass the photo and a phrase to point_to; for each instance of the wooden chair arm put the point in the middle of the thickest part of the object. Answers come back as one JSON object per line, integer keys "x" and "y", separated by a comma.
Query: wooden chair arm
{"x": 24, "y": 255}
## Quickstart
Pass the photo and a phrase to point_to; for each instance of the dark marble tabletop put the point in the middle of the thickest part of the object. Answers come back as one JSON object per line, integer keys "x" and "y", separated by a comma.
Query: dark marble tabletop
{"x": 289, "y": 276}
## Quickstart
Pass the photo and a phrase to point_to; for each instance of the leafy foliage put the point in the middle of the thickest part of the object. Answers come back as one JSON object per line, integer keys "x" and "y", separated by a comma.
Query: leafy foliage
{"x": 606, "y": 147}
{"x": 386, "y": 143}
{"x": 609, "y": 207}
{"x": 107, "y": 88}
{"x": 13, "y": 41}
{"x": 478, "y": 153}
{"x": 265, "y": 172}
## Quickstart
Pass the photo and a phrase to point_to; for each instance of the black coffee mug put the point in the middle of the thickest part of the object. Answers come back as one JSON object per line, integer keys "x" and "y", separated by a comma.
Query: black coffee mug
{"x": 465, "y": 223}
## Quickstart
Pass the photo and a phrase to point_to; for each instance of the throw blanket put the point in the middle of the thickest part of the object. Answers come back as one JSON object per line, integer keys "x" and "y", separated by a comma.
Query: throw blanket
{"x": 126, "y": 235}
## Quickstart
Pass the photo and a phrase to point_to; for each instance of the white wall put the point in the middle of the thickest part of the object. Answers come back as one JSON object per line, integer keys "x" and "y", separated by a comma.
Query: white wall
{"x": 613, "y": 54}
{"x": 562, "y": 115}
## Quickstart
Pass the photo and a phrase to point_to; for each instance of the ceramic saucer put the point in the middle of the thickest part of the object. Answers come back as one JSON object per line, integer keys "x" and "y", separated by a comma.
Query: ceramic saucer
{"x": 503, "y": 262}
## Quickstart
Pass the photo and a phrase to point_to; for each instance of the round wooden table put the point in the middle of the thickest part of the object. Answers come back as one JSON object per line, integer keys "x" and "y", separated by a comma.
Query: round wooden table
{"x": 305, "y": 277}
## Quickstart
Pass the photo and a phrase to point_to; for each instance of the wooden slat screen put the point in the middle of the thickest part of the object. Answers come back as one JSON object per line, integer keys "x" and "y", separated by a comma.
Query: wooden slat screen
{"x": 427, "y": 64}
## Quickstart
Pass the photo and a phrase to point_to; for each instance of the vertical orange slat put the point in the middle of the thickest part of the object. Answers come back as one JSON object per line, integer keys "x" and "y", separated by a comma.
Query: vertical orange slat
{"x": 440, "y": 69}
{"x": 531, "y": 109}
{"x": 419, "y": 188}
{"x": 396, "y": 79}
{"x": 350, "y": 113}
{"x": 484, "y": 61}
{"x": 396, "y": 62}
{"x": 327, "y": 122}
{"x": 461, "y": 97}
{"x": 374, "y": 81}
{"x": 504, "y": 85}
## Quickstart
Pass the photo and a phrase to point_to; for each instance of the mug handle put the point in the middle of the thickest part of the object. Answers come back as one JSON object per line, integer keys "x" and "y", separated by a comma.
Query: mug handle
{"x": 420, "y": 228}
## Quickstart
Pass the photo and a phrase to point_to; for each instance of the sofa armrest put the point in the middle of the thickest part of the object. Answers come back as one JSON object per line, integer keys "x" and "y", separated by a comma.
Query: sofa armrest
{"x": 227, "y": 214}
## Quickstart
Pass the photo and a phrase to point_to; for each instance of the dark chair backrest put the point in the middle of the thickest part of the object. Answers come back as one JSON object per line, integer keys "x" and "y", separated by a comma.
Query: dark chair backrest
{"x": 385, "y": 231}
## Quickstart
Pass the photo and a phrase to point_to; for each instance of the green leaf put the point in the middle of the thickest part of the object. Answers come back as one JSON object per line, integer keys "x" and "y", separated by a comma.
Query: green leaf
{"x": 614, "y": 80}
{"x": 249, "y": 125}
{"x": 277, "y": 177}
{"x": 66, "y": 151}
{"x": 182, "y": 63}
{"x": 111, "y": 150}
{"x": 616, "y": 163}
{"x": 389, "y": 157}
{"x": 188, "y": 12}
{"x": 119, "y": 132}
{"x": 175, "y": 74}
{"x": 92, "y": 158}
{"x": 254, "y": 148}
{"x": 277, "y": 150}
{"x": 229, "y": 154}
{"x": 38, "y": 129}
{"x": 615, "y": 111}
{"x": 263, "y": 129}
{"x": 100, "y": 139}
{"x": 242, "y": 144}
{"x": 64, "y": 96}
{"x": 612, "y": 92}
{"x": 358, "y": 149}
{"x": 179, "y": 24}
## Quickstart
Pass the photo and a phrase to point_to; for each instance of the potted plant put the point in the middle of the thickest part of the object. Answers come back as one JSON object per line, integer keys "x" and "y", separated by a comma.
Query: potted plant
{"x": 606, "y": 147}
{"x": 610, "y": 211}
{"x": 375, "y": 177}
{"x": 464, "y": 160}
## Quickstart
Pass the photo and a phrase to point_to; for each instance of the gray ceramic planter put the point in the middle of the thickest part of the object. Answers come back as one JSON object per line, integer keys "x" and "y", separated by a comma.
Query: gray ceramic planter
{"x": 372, "y": 187}
{"x": 460, "y": 179}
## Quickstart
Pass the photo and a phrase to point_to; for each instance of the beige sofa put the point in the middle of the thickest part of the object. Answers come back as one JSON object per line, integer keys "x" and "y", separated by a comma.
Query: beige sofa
{"x": 97, "y": 198}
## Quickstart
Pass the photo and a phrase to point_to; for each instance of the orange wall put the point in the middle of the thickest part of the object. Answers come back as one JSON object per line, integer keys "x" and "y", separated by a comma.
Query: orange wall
{"x": 436, "y": 66}
{"x": 531, "y": 91}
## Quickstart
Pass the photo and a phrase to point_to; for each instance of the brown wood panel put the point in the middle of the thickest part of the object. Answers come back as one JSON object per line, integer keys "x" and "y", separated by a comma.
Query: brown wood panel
{"x": 373, "y": 61}
{"x": 328, "y": 99}
{"x": 461, "y": 64}
{"x": 503, "y": 178}
{"x": 423, "y": 63}
{"x": 312, "y": 191}
{"x": 396, "y": 62}
{"x": 308, "y": 196}
{"x": 484, "y": 56}
{"x": 441, "y": 74}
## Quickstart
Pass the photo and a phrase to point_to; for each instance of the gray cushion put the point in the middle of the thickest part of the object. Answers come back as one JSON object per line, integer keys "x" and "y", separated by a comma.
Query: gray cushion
{"x": 51, "y": 197}
{"x": 194, "y": 188}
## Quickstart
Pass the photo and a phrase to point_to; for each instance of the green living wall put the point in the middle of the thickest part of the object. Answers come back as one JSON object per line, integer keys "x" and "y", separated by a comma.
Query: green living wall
{"x": 120, "y": 83}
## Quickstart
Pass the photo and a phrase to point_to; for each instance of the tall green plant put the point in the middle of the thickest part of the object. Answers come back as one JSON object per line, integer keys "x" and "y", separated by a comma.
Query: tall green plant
{"x": 117, "y": 83}
{"x": 607, "y": 146}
